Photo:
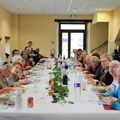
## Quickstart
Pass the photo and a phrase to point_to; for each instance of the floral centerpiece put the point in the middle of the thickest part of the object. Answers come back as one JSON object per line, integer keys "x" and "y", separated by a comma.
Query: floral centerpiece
{"x": 57, "y": 90}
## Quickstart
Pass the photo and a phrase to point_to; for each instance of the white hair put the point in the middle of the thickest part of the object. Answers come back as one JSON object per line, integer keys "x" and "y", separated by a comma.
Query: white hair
{"x": 115, "y": 63}
{"x": 94, "y": 59}
{"x": 16, "y": 58}
{"x": 4, "y": 65}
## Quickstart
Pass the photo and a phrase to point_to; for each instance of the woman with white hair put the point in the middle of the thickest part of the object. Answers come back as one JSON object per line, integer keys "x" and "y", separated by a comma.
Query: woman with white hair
{"x": 112, "y": 98}
{"x": 112, "y": 70}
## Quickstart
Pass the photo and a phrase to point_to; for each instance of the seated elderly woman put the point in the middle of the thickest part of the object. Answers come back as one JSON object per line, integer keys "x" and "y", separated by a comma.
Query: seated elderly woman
{"x": 112, "y": 70}
{"x": 112, "y": 98}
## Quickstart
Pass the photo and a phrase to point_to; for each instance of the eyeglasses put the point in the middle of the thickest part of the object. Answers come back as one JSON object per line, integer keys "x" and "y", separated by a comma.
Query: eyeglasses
{"x": 5, "y": 63}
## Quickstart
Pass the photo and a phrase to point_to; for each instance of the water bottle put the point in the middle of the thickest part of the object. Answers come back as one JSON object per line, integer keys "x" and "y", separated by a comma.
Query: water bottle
{"x": 83, "y": 82}
{"x": 77, "y": 87}
{"x": 18, "y": 100}
{"x": 77, "y": 91}
{"x": 72, "y": 66}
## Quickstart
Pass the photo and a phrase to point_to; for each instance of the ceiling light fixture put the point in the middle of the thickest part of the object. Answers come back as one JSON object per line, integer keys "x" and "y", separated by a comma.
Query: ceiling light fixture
{"x": 74, "y": 13}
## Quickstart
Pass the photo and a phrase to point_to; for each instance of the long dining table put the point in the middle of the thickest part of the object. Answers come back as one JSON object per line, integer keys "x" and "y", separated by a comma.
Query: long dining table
{"x": 86, "y": 107}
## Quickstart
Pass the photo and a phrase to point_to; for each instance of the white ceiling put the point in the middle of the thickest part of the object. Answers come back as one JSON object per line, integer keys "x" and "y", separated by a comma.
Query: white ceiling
{"x": 58, "y": 7}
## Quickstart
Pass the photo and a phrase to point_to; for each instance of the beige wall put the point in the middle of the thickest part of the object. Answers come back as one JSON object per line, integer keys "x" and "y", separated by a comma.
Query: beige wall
{"x": 42, "y": 30}
{"x": 106, "y": 17}
{"x": 116, "y": 23}
{"x": 15, "y": 31}
{"x": 102, "y": 16}
{"x": 113, "y": 18}
{"x": 98, "y": 34}
{"x": 5, "y": 30}
{"x": 39, "y": 29}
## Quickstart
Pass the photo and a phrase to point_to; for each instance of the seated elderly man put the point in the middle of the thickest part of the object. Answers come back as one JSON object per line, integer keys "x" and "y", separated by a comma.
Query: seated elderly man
{"x": 106, "y": 78}
{"x": 5, "y": 71}
{"x": 18, "y": 62}
{"x": 8, "y": 77}
{"x": 18, "y": 59}
{"x": 96, "y": 67}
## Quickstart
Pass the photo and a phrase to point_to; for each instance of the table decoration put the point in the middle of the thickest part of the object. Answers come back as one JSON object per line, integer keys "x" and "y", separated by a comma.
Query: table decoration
{"x": 58, "y": 91}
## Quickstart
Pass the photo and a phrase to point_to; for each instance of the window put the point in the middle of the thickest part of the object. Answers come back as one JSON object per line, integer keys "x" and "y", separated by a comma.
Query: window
{"x": 73, "y": 26}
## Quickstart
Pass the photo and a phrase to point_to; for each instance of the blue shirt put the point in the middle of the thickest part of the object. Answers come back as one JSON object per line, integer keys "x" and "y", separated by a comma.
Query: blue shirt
{"x": 116, "y": 94}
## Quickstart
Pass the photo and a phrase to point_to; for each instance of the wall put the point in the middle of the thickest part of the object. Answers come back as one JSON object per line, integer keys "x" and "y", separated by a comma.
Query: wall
{"x": 116, "y": 22}
{"x": 42, "y": 30}
{"x": 113, "y": 17}
{"x": 39, "y": 29}
{"x": 15, "y": 31}
{"x": 103, "y": 16}
{"x": 98, "y": 34}
{"x": 5, "y": 30}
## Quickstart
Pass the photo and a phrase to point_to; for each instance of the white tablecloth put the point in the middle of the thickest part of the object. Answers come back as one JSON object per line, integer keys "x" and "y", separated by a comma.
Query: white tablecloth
{"x": 86, "y": 108}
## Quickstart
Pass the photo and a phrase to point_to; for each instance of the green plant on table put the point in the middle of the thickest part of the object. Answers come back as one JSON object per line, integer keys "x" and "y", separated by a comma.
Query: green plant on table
{"x": 60, "y": 92}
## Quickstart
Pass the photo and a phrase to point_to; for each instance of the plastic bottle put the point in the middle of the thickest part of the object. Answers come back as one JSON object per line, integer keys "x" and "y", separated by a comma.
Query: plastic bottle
{"x": 18, "y": 100}
{"x": 72, "y": 66}
{"x": 62, "y": 71}
{"x": 77, "y": 91}
{"x": 77, "y": 87}
{"x": 83, "y": 82}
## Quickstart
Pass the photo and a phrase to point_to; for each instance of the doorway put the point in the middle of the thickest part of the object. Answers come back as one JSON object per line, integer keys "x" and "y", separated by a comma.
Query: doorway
{"x": 71, "y": 36}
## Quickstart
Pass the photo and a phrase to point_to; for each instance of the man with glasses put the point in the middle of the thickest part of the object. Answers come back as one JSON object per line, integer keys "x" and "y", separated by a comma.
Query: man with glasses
{"x": 5, "y": 71}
